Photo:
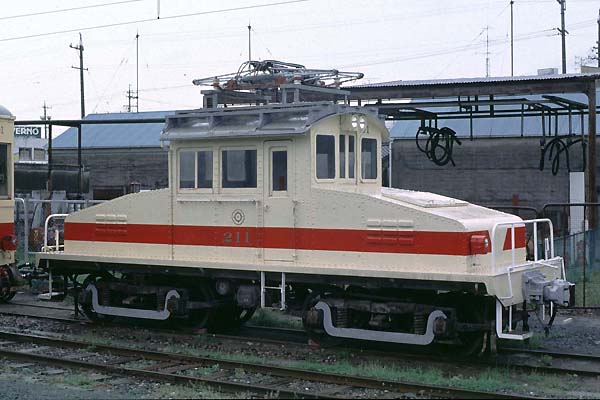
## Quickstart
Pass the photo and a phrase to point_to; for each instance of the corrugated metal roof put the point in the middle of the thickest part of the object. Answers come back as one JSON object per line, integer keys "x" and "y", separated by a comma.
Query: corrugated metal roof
{"x": 114, "y": 135}
{"x": 476, "y": 80}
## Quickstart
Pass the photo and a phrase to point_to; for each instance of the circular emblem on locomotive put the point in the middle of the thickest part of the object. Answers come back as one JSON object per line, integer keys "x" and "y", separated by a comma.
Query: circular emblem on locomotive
{"x": 238, "y": 217}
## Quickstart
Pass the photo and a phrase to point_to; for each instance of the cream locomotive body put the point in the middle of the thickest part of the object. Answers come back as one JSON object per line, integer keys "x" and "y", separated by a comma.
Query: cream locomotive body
{"x": 283, "y": 204}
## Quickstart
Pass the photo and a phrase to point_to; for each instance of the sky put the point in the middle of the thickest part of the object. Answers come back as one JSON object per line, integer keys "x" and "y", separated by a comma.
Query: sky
{"x": 181, "y": 40}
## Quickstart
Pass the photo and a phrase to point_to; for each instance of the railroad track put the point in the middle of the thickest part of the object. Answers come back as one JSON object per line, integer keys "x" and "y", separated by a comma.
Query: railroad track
{"x": 178, "y": 368}
{"x": 555, "y": 361}
{"x": 520, "y": 359}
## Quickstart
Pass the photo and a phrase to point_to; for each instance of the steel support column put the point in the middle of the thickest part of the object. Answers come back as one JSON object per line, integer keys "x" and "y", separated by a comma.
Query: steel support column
{"x": 592, "y": 195}
{"x": 79, "y": 162}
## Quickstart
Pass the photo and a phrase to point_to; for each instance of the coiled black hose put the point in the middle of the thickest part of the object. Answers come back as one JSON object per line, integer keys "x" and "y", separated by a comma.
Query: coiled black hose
{"x": 558, "y": 145}
{"x": 439, "y": 145}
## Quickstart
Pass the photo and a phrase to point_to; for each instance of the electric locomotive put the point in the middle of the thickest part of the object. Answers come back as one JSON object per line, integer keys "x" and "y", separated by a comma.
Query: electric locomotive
{"x": 281, "y": 205}
{"x": 9, "y": 275}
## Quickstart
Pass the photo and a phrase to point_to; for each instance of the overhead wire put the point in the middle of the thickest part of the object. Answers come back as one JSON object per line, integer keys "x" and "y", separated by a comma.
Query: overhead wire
{"x": 528, "y": 36}
{"x": 144, "y": 20}
{"x": 124, "y": 60}
{"x": 34, "y": 14}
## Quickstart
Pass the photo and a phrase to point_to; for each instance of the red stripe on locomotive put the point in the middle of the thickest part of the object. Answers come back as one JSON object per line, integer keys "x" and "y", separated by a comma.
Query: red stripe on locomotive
{"x": 519, "y": 238}
{"x": 406, "y": 242}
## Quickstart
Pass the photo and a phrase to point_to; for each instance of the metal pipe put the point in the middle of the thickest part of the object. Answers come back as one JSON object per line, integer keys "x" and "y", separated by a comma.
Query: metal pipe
{"x": 592, "y": 195}
{"x": 49, "y": 181}
{"x": 535, "y": 243}
{"x": 51, "y": 216}
{"x": 25, "y": 229}
{"x": 584, "y": 254}
{"x": 512, "y": 243}
{"x": 262, "y": 289}
{"x": 79, "y": 162}
{"x": 77, "y": 122}
{"x": 390, "y": 161}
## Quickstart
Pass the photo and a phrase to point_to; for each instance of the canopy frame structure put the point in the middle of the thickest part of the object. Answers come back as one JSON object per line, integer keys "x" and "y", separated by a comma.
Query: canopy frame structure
{"x": 526, "y": 96}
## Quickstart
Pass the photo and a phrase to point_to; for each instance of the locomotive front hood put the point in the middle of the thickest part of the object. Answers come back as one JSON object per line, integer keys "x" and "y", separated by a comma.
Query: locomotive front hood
{"x": 275, "y": 120}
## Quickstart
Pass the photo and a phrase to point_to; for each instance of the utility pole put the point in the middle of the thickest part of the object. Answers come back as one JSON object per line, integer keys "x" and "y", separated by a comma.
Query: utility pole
{"x": 249, "y": 42}
{"x": 137, "y": 78}
{"x": 46, "y": 117}
{"x": 598, "y": 42}
{"x": 563, "y": 32}
{"x": 512, "y": 43}
{"x": 487, "y": 51}
{"x": 81, "y": 69}
{"x": 131, "y": 96}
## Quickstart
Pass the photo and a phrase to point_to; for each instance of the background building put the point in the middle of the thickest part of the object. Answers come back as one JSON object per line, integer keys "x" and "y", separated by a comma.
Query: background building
{"x": 118, "y": 157}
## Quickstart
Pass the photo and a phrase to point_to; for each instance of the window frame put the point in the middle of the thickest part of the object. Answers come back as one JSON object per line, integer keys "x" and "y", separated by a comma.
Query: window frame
{"x": 9, "y": 171}
{"x": 346, "y": 135}
{"x": 195, "y": 151}
{"x": 221, "y": 172}
{"x": 279, "y": 193}
{"x": 377, "y": 158}
{"x": 336, "y": 139}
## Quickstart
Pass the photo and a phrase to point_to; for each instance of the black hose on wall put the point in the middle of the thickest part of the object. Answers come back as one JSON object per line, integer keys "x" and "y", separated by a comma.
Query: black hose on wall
{"x": 557, "y": 146}
{"x": 439, "y": 145}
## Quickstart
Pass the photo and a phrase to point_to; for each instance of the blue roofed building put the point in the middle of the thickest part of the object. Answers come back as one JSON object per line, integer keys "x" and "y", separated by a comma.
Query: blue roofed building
{"x": 117, "y": 156}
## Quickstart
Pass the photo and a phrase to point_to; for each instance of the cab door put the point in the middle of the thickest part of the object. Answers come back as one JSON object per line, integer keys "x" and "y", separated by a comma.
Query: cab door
{"x": 278, "y": 233}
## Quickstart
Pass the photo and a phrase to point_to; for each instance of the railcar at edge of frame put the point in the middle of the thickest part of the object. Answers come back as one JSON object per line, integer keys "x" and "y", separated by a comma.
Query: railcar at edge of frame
{"x": 9, "y": 275}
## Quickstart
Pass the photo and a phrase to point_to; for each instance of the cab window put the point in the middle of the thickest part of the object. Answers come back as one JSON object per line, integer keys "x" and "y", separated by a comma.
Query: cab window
{"x": 279, "y": 171}
{"x": 325, "y": 161}
{"x": 238, "y": 168}
{"x": 195, "y": 169}
{"x": 4, "y": 170}
{"x": 351, "y": 157}
{"x": 346, "y": 156}
{"x": 368, "y": 157}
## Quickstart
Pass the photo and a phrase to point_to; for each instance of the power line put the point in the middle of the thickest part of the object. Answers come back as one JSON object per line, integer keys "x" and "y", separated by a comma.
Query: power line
{"x": 68, "y": 9}
{"x": 527, "y": 36}
{"x": 139, "y": 21}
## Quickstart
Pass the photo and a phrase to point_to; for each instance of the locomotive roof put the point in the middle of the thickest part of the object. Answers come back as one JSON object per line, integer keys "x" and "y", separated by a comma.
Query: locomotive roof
{"x": 271, "y": 120}
{"x": 5, "y": 113}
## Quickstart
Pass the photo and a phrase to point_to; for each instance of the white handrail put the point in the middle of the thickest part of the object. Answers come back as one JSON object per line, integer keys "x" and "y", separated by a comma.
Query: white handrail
{"x": 50, "y": 217}
{"x": 512, "y": 226}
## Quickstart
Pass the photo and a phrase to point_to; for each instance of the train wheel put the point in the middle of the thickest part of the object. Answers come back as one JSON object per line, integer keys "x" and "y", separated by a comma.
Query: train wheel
{"x": 201, "y": 319}
{"x": 245, "y": 314}
{"x": 6, "y": 294}
{"x": 86, "y": 307}
{"x": 317, "y": 334}
{"x": 472, "y": 343}
{"x": 232, "y": 317}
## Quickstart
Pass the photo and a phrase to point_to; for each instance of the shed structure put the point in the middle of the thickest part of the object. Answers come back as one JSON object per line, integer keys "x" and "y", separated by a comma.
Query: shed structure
{"x": 515, "y": 115}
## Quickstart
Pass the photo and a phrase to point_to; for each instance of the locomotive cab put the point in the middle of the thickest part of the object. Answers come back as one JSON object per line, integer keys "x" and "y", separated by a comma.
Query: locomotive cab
{"x": 263, "y": 177}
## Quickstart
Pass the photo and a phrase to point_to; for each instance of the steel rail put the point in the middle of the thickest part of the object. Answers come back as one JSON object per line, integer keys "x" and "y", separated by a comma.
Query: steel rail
{"x": 146, "y": 374}
{"x": 354, "y": 382}
{"x": 393, "y": 355}
{"x": 160, "y": 376}
{"x": 552, "y": 353}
